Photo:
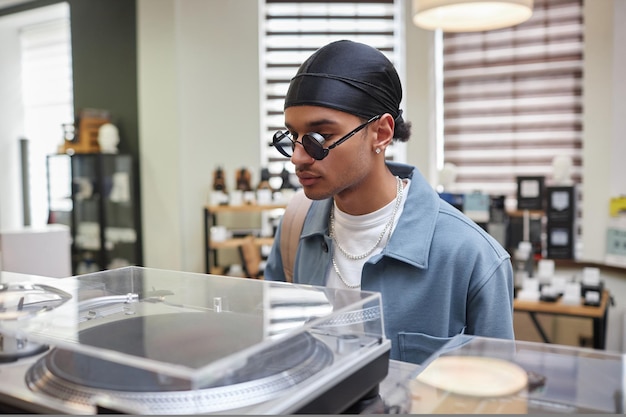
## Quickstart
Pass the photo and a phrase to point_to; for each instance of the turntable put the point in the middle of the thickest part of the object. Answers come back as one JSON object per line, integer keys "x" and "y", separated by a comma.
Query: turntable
{"x": 148, "y": 341}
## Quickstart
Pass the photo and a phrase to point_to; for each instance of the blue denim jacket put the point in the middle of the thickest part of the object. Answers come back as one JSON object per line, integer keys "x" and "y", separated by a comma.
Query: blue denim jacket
{"x": 440, "y": 274}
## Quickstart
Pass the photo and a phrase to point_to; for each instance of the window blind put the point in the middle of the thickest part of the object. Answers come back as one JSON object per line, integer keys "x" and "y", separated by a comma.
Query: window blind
{"x": 292, "y": 31}
{"x": 512, "y": 99}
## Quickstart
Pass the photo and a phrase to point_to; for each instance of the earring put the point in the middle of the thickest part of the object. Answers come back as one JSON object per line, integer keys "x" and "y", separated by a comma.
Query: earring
{"x": 377, "y": 150}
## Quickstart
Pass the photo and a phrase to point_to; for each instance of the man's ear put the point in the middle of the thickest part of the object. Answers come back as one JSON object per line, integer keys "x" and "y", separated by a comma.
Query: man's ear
{"x": 384, "y": 131}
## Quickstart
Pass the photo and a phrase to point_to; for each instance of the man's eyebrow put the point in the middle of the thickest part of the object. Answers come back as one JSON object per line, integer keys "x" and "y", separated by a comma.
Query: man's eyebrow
{"x": 315, "y": 124}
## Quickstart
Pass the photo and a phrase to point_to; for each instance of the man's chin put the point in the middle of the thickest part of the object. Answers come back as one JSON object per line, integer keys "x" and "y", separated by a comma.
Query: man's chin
{"x": 313, "y": 194}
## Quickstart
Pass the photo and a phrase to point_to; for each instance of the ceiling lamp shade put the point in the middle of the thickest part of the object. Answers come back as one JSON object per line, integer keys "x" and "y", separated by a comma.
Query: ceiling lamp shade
{"x": 470, "y": 15}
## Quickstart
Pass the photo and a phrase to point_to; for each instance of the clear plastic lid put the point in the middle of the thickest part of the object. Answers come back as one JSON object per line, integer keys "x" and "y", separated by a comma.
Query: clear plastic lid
{"x": 478, "y": 375}
{"x": 191, "y": 327}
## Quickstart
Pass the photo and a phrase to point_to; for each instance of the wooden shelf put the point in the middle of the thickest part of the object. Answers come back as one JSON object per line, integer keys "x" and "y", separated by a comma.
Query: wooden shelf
{"x": 243, "y": 208}
{"x": 217, "y": 270}
{"x": 236, "y": 242}
{"x": 558, "y": 307}
{"x": 212, "y": 247}
{"x": 521, "y": 213}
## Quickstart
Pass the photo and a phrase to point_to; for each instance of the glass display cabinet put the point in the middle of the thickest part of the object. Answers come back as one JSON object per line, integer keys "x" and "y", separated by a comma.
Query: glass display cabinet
{"x": 94, "y": 195}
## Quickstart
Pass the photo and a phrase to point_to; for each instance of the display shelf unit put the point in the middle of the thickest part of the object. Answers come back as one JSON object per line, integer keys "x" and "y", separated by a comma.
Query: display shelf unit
{"x": 212, "y": 247}
{"x": 93, "y": 194}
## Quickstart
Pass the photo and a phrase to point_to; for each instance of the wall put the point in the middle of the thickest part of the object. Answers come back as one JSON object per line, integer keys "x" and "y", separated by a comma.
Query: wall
{"x": 160, "y": 135}
{"x": 618, "y": 168}
{"x": 199, "y": 100}
{"x": 420, "y": 96}
{"x": 104, "y": 53}
{"x": 597, "y": 125}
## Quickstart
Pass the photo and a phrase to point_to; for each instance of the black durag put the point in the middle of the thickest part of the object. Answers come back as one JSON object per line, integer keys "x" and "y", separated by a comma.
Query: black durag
{"x": 350, "y": 77}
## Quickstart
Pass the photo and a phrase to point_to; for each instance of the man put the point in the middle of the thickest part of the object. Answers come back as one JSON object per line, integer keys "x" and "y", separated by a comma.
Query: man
{"x": 380, "y": 226}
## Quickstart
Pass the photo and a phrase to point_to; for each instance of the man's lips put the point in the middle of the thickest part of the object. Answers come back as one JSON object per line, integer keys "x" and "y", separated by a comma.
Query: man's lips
{"x": 307, "y": 178}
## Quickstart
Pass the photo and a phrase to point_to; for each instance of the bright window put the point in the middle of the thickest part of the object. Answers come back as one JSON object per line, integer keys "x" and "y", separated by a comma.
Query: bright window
{"x": 47, "y": 91}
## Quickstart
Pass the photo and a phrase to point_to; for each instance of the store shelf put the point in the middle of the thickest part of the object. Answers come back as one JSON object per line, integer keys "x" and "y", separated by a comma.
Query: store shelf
{"x": 212, "y": 246}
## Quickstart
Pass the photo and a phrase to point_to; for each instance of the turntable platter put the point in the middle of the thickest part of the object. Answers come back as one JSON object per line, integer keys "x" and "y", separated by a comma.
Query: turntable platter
{"x": 77, "y": 377}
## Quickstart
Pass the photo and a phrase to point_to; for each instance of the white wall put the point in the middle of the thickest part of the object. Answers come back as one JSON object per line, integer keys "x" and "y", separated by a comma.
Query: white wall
{"x": 618, "y": 167}
{"x": 598, "y": 123}
{"x": 198, "y": 99}
{"x": 159, "y": 135}
{"x": 420, "y": 96}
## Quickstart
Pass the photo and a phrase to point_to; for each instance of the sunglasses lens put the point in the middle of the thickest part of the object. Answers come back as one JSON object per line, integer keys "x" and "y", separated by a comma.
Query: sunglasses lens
{"x": 283, "y": 143}
{"x": 313, "y": 147}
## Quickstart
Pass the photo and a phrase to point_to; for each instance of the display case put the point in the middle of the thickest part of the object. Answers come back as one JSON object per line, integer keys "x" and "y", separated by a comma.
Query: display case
{"x": 94, "y": 195}
{"x": 148, "y": 341}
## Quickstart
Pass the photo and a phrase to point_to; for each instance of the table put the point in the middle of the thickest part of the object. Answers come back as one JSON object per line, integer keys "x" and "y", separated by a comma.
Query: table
{"x": 598, "y": 314}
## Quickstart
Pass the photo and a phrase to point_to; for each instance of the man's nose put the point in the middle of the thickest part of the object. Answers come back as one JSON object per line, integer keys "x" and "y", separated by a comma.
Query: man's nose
{"x": 300, "y": 156}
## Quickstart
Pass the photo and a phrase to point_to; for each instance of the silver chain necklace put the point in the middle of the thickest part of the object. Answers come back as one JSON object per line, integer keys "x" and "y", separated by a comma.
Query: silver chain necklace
{"x": 341, "y": 276}
{"x": 386, "y": 229}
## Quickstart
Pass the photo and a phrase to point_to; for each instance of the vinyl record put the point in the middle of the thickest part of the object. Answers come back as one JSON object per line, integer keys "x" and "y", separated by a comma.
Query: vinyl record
{"x": 474, "y": 376}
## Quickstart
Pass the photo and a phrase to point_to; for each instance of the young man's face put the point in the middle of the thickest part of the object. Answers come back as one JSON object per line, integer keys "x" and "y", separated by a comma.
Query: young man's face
{"x": 346, "y": 166}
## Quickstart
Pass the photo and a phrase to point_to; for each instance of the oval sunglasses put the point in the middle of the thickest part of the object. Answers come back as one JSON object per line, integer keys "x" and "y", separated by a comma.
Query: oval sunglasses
{"x": 312, "y": 142}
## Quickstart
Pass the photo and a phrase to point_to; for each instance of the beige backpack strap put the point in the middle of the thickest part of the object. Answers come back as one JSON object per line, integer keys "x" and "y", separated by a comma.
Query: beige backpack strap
{"x": 291, "y": 228}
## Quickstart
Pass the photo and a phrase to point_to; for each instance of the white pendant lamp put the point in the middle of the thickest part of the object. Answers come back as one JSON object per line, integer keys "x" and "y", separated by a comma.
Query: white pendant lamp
{"x": 470, "y": 15}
